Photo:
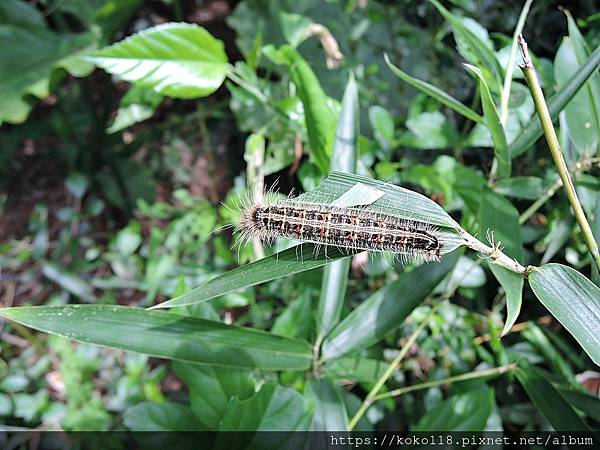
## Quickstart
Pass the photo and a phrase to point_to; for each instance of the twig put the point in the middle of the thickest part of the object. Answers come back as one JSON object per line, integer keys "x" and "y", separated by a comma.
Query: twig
{"x": 494, "y": 254}
{"x": 559, "y": 160}
{"x": 371, "y": 396}
{"x": 465, "y": 376}
{"x": 511, "y": 63}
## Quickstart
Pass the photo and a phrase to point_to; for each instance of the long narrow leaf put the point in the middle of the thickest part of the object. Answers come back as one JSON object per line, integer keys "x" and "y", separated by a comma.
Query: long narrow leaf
{"x": 386, "y": 309}
{"x": 493, "y": 124}
{"x": 556, "y": 104}
{"x": 343, "y": 158}
{"x": 435, "y": 92}
{"x": 166, "y": 335}
{"x": 573, "y": 300}
{"x": 547, "y": 399}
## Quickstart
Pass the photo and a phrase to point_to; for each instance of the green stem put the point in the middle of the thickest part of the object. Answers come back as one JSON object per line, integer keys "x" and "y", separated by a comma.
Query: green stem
{"x": 559, "y": 160}
{"x": 511, "y": 63}
{"x": 450, "y": 380}
{"x": 371, "y": 396}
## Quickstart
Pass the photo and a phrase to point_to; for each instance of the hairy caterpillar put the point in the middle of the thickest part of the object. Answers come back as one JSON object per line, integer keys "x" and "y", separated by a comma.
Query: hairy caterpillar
{"x": 351, "y": 228}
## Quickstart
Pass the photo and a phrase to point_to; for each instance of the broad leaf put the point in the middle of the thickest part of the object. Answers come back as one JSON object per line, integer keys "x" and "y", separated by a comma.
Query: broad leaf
{"x": 573, "y": 300}
{"x": 166, "y": 335}
{"x": 273, "y": 408}
{"x": 148, "y": 416}
{"x": 212, "y": 387}
{"x": 385, "y": 310}
{"x": 175, "y": 59}
{"x": 136, "y": 106}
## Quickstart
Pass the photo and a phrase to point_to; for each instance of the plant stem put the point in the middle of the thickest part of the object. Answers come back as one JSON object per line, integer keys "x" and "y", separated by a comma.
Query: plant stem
{"x": 580, "y": 166}
{"x": 494, "y": 253}
{"x": 371, "y": 396}
{"x": 559, "y": 161}
{"x": 465, "y": 376}
{"x": 511, "y": 63}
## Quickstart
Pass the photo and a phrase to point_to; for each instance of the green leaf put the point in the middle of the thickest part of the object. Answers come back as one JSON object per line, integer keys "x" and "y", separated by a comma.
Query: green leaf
{"x": 343, "y": 158}
{"x": 294, "y": 27}
{"x": 592, "y": 87}
{"x": 33, "y": 53}
{"x": 462, "y": 412}
{"x": 397, "y": 201}
{"x": 556, "y": 104}
{"x": 148, "y": 416}
{"x": 547, "y": 400}
{"x": 69, "y": 282}
{"x": 499, "y": 219}
{"x": 573, "y": 300}
{"x": 320, "y": 118}
{"x": 330, "y": 411}
{"x": 356, "y": 368}
{"x": 175, "y": 59}
{"x": 282, "y": 264}
{"x": 580, "y": 112}
{"x": 166, "y": 335}
{"x": 471, "y": 44}
{"x": 212, "y": 387}
{"x": 530, "y": 188}
{"x": 273, "y": 408}
{"x": 386, "y": 309}
{"x": 382, "y": 123}
{"x": 136, "y": 106}
{"x": 588, "y": 404}
{"x": 492, "y": 122}
{"x": 435, "y": 93}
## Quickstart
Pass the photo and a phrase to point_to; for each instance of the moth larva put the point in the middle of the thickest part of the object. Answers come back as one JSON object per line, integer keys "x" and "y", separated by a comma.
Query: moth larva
{"x": 348, "y": 228}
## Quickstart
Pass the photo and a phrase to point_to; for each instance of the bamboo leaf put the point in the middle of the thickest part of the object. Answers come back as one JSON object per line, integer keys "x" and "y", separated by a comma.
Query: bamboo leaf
{"x": 386, "y": 309}
{"x": 166, "y": 335}
{"x": 435, "y": 92}
{"x": 573, "y": 300}
{"x": 396, "y": 201}
{"x": 493, "y": 124}
{"x": 548, "y": 401}
{"x": 556, "y": 104}
{"x": 343, "y": 158}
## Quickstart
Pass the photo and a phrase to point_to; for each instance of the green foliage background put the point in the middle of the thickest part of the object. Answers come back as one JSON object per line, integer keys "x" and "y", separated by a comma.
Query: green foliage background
{"x": 129, "y": 134}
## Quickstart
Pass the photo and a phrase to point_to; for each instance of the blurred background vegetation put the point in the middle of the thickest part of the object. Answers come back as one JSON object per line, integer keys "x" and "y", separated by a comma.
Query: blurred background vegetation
{"x": 109, "y": 193}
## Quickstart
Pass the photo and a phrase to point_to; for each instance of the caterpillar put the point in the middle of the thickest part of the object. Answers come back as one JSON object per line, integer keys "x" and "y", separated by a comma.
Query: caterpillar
{"x": 351, "y": 228}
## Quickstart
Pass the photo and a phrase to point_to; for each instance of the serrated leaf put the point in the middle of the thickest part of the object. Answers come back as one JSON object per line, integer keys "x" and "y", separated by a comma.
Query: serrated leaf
{"x": 175, "y": 59}
{"x": 166, "y": 335}
{"x": 573, "y": 300}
